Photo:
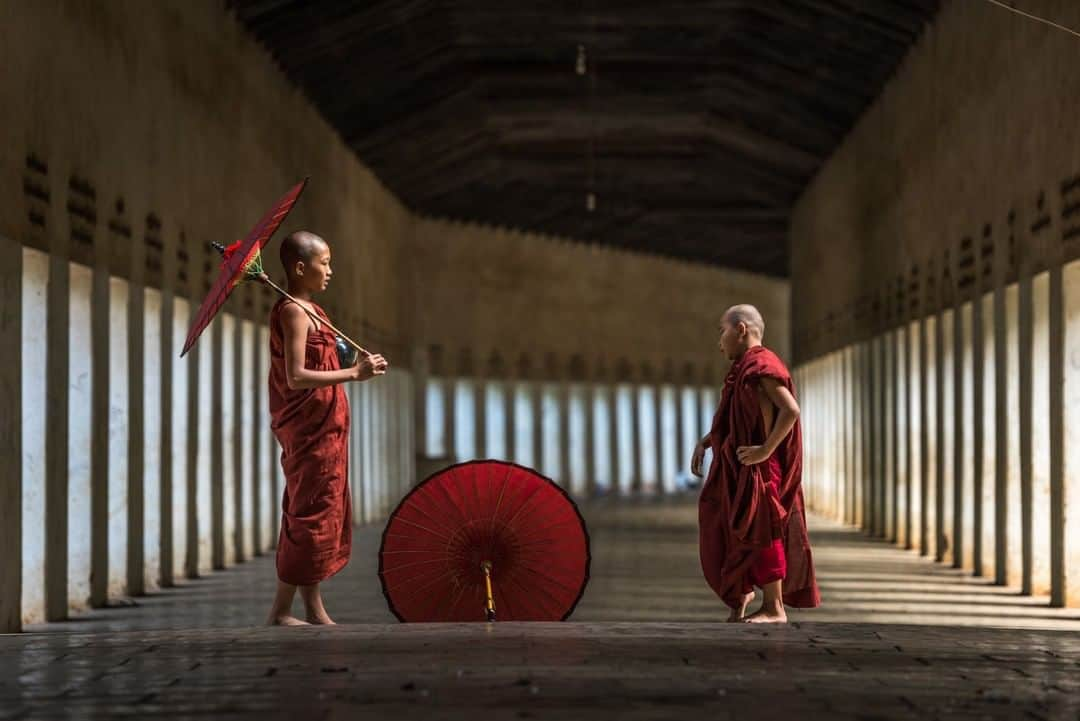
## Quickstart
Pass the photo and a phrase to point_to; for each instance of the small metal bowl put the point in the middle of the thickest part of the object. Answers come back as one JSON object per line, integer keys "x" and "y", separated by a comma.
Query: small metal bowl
{"x": 347, "y": 355}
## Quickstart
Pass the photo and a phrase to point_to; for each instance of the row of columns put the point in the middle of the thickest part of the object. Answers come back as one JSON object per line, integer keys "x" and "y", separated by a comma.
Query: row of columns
{"x": 587, "y": 436}
{"x": 128, "y": 468}
{"x": 956, "y": 434}
{"x": 382, "y": 458}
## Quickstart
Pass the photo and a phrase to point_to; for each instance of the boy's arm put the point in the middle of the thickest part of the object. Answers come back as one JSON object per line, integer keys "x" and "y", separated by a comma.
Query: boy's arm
{"x": 295, "y": 323}
{"x": 785, "y": 420}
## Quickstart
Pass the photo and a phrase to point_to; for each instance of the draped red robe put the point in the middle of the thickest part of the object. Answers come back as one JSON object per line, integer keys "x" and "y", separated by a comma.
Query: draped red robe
{"x": 738, "y": 516}
{"x": 312, "y": 426}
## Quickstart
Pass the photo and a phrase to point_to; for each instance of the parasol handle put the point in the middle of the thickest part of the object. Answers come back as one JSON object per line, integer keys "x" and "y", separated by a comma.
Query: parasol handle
{"x": 489, "y": 603}
{"x": 314, "y": 318}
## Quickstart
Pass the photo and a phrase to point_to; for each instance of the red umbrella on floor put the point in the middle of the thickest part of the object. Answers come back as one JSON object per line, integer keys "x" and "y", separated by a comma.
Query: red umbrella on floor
{"x": 481, "y": 540}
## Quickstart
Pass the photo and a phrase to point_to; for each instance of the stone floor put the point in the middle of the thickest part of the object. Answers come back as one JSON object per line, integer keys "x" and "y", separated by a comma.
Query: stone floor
{"x": 897, "y": 637}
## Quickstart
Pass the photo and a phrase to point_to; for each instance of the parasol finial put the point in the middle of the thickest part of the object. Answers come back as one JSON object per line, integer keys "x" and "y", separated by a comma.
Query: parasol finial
{"x": 489, "y": 604}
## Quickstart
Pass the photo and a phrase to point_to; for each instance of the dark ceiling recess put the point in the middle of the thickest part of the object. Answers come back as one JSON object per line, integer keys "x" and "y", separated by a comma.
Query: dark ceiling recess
{"x": 681, "y": 128}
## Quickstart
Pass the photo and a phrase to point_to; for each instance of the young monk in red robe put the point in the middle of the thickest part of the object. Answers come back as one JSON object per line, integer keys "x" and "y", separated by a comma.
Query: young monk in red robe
{"x": 310, "y": 418}
{"x": 750, "y": 513}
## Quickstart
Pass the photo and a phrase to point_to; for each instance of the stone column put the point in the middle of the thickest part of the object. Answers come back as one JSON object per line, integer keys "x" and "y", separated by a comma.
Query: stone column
{"x": 880, "y": 431}
{"x": 874, "y": 434}
{"x": 99, "y": 445}
{"x": 134, "y": 564}
{"x": 480, "y": 412}
{"x": 940, "y": 420}
{"x": 1040, "y": 432}
{"x": 590, "y": 390}
{"x": 364, "y": 502}
{"x": 959, "y": 450}
{"x": 1025, "y": 341}
{"x": 1034, "y": 442}
{"x": 916, "y": 385}
{"x": 978, "y": 400}
{"x": 637, "y": 483}
{"x": 907, "y": 431}
{"x": 269, "y": 460}
{"x": 847, "y": 434}
{"x": 862, "y": 386}
{"x": 168, "y": 352}
{"x": 1064, "y": 431}
{"x": 615, "y": 460}
{"x": 200, "y": 418}
{"x": 1063, "y": 327}
{"x": 685, "y": 441}
{"x": 897, "y": 420}
{"x": 217, "y": 429}
{"x": 855, "y": 391}
{"x": 925, "y": 334}
{"x": 822, "y": 421}
{"x": 871, "y": 436}
{"x": 838, "y": 439}
{"x": 565, "y": 478}
{"x": 11, "y": 380}
{"x": 536, "y": 393}
{"x": 255, "y": 395}
{"x": 658, "y": 432}
{"x": 57, "y": 370}
{"x": 420, "y": 367}
{"x": 1002, "y": 414}
{"x": 450, "y": 409}
{"x": 509, "y": 384}
{"x": 887, "y": 529}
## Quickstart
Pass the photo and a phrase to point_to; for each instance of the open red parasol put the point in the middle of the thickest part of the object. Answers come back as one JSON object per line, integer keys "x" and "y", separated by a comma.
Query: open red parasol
{"x": 485, "y": 539}
{"x": 242, "y": 261}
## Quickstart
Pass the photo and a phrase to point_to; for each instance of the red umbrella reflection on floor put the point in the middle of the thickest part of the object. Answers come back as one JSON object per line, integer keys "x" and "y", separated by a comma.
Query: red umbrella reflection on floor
{"x": 485, "y": 540}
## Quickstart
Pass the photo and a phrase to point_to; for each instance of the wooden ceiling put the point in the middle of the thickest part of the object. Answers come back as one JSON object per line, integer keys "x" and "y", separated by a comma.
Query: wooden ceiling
{"x": 695, "y": 124}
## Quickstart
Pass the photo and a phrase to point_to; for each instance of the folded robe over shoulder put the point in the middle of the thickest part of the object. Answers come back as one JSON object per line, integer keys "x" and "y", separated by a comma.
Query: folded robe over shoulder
{"x": 738, "y": 516}
{"x": 312, "y": 426}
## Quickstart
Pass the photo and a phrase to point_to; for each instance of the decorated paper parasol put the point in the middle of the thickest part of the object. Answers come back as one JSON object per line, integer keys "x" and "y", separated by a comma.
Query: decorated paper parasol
{"x": 242, "y": 262}
{"x": 481, "y": 540}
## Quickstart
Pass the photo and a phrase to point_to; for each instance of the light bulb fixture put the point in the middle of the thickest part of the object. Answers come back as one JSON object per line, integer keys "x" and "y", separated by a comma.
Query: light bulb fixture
{"x": 580, "y": 66}
{"x": 590, "y": 201}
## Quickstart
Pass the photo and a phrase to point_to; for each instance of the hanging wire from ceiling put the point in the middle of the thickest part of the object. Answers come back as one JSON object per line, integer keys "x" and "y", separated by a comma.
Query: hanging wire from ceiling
{"x": 586, "y": 67}
{"x": 1036, "y": 18}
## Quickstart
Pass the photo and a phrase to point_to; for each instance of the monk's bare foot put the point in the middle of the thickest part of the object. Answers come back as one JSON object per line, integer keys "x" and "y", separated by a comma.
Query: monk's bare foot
{"x": 768, "y": 613}
{"x": 737, "y": 614}
{"x": 321, "y": 619}
{"x": 286, "y": 620}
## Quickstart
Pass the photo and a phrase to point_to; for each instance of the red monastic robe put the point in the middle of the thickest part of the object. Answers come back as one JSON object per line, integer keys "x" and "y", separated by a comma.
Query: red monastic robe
{"x": 743, "y": 510}
{"x": 312, "y": 426}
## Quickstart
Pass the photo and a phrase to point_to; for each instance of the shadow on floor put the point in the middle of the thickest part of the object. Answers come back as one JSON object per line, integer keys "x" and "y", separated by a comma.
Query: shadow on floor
{"x": 645, "y": 568}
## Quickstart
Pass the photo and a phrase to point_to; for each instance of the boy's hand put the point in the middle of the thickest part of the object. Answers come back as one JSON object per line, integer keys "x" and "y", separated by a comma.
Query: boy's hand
{"x": 370, "y": 365}
{"x": 752, "y": 455}
{"x": 698, "y": 459}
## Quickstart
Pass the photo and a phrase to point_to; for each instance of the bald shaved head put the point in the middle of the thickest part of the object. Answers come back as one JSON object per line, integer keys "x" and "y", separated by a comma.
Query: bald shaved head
{"x": 300, "y": 246}
{"x": 748, "y": 314}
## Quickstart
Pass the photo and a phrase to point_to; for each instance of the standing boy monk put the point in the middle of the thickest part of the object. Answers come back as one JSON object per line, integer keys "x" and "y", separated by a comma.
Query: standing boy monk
{"x": 310, "y": 418}
{"x": 752, "y": 523}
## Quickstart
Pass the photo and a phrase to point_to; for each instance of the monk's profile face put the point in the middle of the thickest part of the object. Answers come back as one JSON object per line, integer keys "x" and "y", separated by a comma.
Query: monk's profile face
{"x": 311, "y": 267}
{"x": 319, "y": 267}
{"x": 733, "y": 338}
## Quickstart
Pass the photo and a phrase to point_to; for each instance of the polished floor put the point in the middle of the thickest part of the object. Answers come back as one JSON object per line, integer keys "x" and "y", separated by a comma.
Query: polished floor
{"x": 897, "y": 637}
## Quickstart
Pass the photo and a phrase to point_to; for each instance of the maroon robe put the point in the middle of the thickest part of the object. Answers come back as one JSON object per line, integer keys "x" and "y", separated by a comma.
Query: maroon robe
{"x": 740, "y": 516}
{"x": 312, "y": 426}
